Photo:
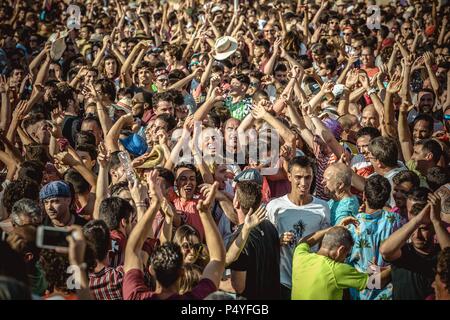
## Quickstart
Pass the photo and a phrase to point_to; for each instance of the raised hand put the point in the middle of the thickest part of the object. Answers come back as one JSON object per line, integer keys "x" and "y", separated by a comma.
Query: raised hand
{"x": 215, "y": 81}
{"x": 154, "y": 185}
{"x": 162, "y": 137}
{"x": 258, "y": 112}
{"x": 104, "y": 155}
{"x": 307, "y": 110}
{"x": 57, "y": 116}
{"x": 286, "y": 152}
{"x": 77, "y": 245}
{"x": 19, "y": 111}
{"x": 395, "y": 84}
{"x": 327, "y": 87}
{"x": 435, "y": 207}
{"x": 217, "y": 94}
{"x": 364, "y": 80}
{"x": 65, "y": 158}
{"x": 204, "y": 206}
{"x": 138, "y": 191}
{"x": 405, "y": 107}
{"x": 428, "y": 58}
{"x": 4, "y": 86}
{"x": 352, "y": 78}
{"x": 253, "y": 219}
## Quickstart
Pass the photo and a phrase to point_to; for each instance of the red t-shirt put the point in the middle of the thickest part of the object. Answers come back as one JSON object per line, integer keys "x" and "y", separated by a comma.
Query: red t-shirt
{"x": 117, "y": 253}
{"x": 187, "y": 209}
{"x": 134, "y": 288}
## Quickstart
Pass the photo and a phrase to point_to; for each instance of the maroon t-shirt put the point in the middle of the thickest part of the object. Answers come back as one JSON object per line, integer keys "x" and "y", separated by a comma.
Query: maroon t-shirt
{"x": 134, "y": 288}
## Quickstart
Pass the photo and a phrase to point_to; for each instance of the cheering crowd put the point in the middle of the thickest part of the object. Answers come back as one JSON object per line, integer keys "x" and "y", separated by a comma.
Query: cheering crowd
{"x": 257, "y": 149}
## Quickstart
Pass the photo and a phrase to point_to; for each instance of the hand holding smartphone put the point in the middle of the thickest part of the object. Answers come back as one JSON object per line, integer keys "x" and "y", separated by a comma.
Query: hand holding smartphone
{"x": 52, "y": 238}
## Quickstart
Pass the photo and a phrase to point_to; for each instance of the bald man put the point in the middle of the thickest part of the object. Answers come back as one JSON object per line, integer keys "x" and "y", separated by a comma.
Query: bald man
{"x": 337, "y": 180}
{"x": 370, "y": 117}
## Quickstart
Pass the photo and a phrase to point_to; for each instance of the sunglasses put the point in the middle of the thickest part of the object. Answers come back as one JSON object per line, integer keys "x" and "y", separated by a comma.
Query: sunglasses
{"x": 269, "y": 31}
{"x": 188, "y": 246}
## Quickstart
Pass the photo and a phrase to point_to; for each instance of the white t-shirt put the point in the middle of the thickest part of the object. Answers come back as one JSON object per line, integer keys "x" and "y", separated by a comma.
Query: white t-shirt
{"x": 300, "y": 220}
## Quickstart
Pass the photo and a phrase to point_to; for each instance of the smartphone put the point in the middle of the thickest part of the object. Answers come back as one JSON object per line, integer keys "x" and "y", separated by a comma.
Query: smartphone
{"x": 52, "y": 237}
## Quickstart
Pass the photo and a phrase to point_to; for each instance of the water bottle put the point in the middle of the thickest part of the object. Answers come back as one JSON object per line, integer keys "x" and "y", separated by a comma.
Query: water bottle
{"x": 125, "y": 160}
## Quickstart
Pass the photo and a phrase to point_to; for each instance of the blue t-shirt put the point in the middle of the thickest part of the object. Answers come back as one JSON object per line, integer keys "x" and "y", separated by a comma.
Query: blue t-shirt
{"x": 347, "y": 207}
{"x": 372, "y": 231}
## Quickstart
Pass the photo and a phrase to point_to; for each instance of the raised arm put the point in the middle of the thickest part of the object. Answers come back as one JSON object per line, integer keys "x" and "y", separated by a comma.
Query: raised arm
{"x": 138, "y": 235}
{"x": 252, "y": 220}
{"x": 298, "y": 121}
{"x": 259, "y": 112}
{"x": 428, "y": 58}
{"x": 391, "y": 249}
{"x": 111, "y": 139}
{"x": 5, "y": 113}
{"x": 268, "y": 68}
{"x": 442, "y": 235}
{"x": 389, "y": 113}
{"x": 101, "y": 190}
{"x": 216, "y": 265}
{"x": 404, "y": 134}
{"x": 206, "y": 107}
{"x": 125, "y": 70}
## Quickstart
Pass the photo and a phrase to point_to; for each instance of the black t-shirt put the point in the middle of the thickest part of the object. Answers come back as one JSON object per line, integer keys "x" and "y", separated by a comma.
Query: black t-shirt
{"x": 261, "y": 259}
{"x": 412, "y": 274}
{"x": 78, "y": 221}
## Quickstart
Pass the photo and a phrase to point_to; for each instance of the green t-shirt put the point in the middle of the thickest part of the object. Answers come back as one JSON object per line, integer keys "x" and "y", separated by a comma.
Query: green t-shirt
{"x": 316, "y": 277}
{"x": 240, "y": 109}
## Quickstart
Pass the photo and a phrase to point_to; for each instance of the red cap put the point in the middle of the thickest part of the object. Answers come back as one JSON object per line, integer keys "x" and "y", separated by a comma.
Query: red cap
{"x": 388, "y": 42}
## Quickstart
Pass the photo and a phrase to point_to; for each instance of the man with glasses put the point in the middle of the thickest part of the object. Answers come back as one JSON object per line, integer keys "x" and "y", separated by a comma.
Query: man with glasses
{"x": 406, "y": 30}
{"x": 368, "y": 61}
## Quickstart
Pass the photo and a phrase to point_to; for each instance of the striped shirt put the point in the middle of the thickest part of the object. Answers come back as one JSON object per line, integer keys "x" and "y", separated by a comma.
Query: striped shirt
{"x": 324, "y": 160}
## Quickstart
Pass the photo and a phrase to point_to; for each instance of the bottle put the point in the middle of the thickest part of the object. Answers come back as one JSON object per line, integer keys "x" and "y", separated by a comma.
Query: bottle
{"x": 124, "y": 158}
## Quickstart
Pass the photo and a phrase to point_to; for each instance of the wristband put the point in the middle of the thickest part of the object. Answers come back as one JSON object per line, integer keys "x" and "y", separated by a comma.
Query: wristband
{"x": 371, "y": 91}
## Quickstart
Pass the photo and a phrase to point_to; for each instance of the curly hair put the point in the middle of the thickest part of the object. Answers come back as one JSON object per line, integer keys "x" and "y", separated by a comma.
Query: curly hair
{"x": 55, "y": 267}
{"x": 19, "y": 189}
{"x": 443, "y": 267}
{"x": 167, "y": 262}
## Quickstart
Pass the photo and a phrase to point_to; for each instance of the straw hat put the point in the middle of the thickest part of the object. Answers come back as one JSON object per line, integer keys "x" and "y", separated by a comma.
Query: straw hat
{"x": 123, "y": 104}
{"x": 224, "y": 47}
